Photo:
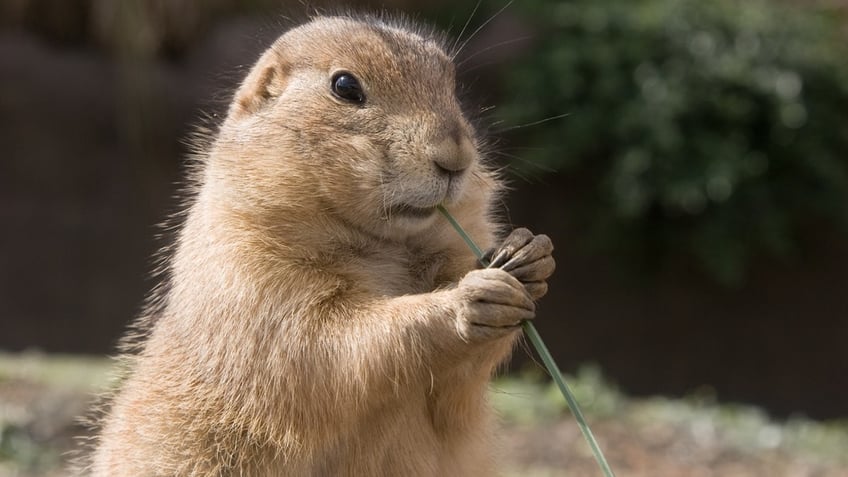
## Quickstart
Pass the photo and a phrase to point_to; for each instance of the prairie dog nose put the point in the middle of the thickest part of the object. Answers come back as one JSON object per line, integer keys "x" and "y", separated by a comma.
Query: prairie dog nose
{"x": 453, "y": 154}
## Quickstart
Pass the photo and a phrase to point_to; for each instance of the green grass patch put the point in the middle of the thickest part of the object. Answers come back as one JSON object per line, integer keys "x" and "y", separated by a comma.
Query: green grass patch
{"x": 66, "y": 372}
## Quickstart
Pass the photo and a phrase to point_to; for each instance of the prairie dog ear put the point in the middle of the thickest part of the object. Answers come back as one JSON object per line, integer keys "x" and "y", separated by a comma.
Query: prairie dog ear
{"x": 265, "y": 81}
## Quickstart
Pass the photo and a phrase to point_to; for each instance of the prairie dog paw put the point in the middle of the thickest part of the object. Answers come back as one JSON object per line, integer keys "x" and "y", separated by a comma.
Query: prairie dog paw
{"x": 526, "y": 257}
{"x": 493, "y": 303}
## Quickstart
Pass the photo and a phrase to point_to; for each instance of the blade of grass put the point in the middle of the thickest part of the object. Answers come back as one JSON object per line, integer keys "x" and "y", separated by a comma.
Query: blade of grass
{"x": 547, "y": 359}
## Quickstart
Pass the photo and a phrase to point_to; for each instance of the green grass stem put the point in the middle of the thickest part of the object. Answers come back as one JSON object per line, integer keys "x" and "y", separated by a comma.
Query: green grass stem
{"x": 547, "y": 359}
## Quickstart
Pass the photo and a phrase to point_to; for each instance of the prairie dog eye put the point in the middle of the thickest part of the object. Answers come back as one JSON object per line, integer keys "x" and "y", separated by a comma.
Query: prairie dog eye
{"x": 347, "y": 87}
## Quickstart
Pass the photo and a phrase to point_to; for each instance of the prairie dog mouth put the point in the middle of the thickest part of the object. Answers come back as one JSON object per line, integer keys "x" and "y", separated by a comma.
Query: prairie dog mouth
{"x": 406, "y": 210}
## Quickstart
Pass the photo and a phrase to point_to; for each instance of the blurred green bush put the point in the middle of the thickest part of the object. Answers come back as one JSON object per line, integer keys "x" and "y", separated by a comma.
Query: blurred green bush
{"x": 715, "y": 130}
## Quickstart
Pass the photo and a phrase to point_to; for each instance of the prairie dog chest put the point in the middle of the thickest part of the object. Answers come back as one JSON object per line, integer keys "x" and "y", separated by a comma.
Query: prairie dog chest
{"x": 398, "y": 272}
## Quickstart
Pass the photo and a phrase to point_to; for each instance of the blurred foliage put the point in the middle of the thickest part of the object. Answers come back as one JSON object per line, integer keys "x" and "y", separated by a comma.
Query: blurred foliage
{"x": 713, "y": 130}
{"x": 42, "y": 397}
{"x": 59, "y": 371}
{"x": 41, "y": 400}
{"x": 529, "y": 399}
{"x": 744, "y": 427}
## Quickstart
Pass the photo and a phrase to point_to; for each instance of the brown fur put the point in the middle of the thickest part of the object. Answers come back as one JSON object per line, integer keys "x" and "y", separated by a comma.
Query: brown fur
{"x": 311, "y": 326}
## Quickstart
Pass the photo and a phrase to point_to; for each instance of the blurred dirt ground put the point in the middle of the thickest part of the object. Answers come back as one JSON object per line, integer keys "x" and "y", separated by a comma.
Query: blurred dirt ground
{"x": 41, "y": 398}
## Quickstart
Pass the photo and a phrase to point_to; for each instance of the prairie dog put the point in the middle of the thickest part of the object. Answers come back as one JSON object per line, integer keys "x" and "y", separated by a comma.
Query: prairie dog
{"x": 319, "y": 317}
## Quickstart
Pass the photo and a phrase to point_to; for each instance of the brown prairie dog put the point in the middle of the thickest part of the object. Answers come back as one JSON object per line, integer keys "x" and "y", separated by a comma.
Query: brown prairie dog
{"x": 319, "y": 317}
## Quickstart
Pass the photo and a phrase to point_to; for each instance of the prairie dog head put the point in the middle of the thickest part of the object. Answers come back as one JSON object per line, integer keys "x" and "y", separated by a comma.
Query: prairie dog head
{"x": 360, "y": 117}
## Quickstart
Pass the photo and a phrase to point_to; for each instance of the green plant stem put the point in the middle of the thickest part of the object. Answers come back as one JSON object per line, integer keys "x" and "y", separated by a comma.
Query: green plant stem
{"x": 547, "y": 359}
{"x": 555, "y": 373}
